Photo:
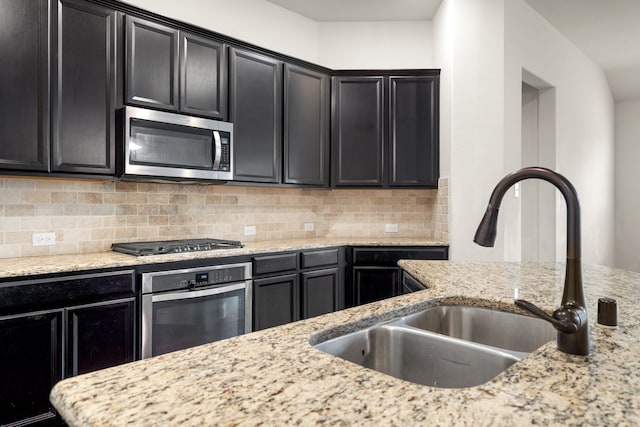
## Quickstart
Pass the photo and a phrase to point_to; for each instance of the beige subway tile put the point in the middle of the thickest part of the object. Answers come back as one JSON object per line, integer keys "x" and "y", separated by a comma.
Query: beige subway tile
{"x": 9, "y": 251}
{"x": 147, "y": 187}
{"x": 103, "y": 233}
{"x": 171, "y": 209}
{"x": 19, "y": 184}
{"x": 64, "y": 197}
{"x": 126, "y": 187}
{"x": 126, "y": 233}
{"x": 10, "y": 224}
{"x": 20, "y": 237}
{"x": 19, "y": 210}
{"x": 35, "y": 223}
{"x": 177, "y": 199}
{"x": 89, "y": 222}
{"x": 137, "y": 198}
{"x": 103, "y": 210}
{"x": 158, "y": 199}
{"x": 34, "y": 197}
{"x": 126, "y": 210}
{"x": 90, "y": 198}
{"x": 114, "y": 198}
{"x": 158, "y": 220}
{"x": 77, "y": 210}
{"x": 49, "y": 210}
{"x": 29, "y": 250}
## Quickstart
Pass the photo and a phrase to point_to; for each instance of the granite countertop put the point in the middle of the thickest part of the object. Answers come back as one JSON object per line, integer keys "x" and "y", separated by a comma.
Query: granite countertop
{"x": 27, "y": 266}
{"x": 276, "y": 377}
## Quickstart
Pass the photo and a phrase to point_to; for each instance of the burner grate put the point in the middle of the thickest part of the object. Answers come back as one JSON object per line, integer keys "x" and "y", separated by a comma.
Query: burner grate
{"x": 174, "y": 246}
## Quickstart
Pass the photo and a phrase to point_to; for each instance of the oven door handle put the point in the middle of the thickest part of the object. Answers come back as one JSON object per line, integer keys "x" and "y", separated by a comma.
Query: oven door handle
{"x": 220, "y": 289}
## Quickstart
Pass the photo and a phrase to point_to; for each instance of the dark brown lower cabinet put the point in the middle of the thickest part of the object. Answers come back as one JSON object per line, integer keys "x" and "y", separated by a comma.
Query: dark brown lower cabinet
{"x": 100, "y": 336}
{"x": 320, "y": 292}
{"x": 309, "y": 283}
{"x": 375, "y": 274}
{"x": 275, "y": 301}
{"x": 30, "y": 364}
{"x": 375, "y": 283}
{"x": 76, "y": 324}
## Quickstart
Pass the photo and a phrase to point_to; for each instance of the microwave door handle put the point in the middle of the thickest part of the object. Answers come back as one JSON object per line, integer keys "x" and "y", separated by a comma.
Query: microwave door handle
{"x": 218, "y": 153}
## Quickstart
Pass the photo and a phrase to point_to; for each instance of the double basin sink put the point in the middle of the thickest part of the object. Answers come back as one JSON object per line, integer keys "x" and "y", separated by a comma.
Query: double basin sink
{"x": 447, "y": 346}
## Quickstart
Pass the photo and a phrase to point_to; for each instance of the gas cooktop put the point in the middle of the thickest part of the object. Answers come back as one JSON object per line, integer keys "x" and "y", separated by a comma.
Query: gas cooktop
{"x": 174, "y": 246}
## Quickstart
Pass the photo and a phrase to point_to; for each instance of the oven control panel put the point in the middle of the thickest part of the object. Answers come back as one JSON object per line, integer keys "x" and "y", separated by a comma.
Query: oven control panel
{"x": 195, "y": 277}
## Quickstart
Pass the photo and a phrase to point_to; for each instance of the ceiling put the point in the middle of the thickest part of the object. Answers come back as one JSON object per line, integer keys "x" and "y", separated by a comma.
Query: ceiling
{"x": 608, "y": 31}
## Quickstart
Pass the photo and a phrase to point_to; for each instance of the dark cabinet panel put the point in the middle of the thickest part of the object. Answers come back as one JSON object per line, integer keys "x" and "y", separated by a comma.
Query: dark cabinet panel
{"x": 275, "y": 263}
{"x": 84, "y": 89}
{"x": 151, "y": 64}
{"x": 24, "y": 98}
{"x": 375, "y": 274}
{"x": 30, "y": 364}
{"x": 413, "y": 128}
{"x": 306, "y": 126}
{"x": 275, "y": 301}
{"x": 100, "y": 336}
{"x": 255, "y": 101}
{"x": 358, "y": 131}
{"x": 375, "y": 283}
{"x": 54, "y": 327}
{"x": 382, "y": 143}
{"x": 203, "y": 82}
{"x": 320, "y": 292}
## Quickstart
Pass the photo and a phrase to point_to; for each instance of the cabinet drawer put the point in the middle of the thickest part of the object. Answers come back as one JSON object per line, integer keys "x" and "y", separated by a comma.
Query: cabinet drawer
{"x": 319, "y": 258}
{"x": 391, "y": 255}
{"x": 58, "y": 291}
{"x": 274, "y": 263}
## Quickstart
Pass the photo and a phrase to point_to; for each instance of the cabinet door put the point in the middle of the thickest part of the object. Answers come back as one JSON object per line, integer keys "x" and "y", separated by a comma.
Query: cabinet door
{"x": 203, "y": 71}
{"x": 374, "y": 283}
{"x": 84, "y": 89}
{"x": 24, "y": 98}
{"x": 413, "y": 128}
{"x": 306, "y": 126}
{"x": 151, "y": 64}
{"x": 320, "y": 291}
{"x": 100, "y": 336}
{"x": 30, "y": 364}
{"x": 275, "y": 301}
{"x": 358, "y": 131}
{"x": 255, "y": 91}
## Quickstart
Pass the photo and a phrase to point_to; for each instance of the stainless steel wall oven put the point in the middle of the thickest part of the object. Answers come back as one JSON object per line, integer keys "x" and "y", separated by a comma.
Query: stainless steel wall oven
{"x": 189, "y": 307}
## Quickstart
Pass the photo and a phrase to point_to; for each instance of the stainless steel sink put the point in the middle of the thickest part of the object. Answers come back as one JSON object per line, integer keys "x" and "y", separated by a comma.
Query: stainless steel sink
{"x": 444, "y": 346}
{"x": 514, "y": 332}
{"x": 419, "y": 356}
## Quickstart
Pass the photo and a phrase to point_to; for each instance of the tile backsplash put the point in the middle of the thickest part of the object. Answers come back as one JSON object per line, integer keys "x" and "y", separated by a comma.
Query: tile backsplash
{"x": 88, "y": 215}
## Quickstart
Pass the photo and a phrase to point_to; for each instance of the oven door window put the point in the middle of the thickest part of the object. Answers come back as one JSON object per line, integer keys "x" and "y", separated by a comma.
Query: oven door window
{"x": 187, "y": 322}
{"x": 166, "y": 145}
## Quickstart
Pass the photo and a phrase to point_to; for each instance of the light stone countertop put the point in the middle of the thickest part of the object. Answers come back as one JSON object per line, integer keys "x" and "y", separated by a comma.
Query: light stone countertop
{"x": 275, "y": 376}
{"x": 28, "y": 266}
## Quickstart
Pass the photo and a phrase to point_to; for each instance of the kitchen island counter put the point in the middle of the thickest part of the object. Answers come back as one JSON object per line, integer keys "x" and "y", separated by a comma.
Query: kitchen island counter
{"x": 276, "y": 377}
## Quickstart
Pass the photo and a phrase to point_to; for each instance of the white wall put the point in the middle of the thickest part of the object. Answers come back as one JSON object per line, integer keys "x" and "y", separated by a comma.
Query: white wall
{"x": 362, "y": 45}
{"x": 585, "y": 141}
{"x": 486, "y": 45}
{"x": 469, "y": 45}
{"x": 254, "y": 21}
{"x": 627, "y": 250}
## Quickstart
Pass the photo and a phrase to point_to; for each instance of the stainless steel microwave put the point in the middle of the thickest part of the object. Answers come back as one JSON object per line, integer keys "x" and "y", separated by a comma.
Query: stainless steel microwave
{"x": 172, "y": 146}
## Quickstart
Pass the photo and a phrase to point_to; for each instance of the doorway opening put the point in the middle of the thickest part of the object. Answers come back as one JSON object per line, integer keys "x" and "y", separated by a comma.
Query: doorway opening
{"x": 538, "y": 148}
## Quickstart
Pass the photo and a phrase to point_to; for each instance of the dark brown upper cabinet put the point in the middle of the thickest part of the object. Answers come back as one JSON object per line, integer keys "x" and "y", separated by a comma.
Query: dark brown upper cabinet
{"x": 24, "y": 99}
{"x": 413, "y": 131}
{"x": 151, "y": 64}
{"x": 173, "y": 70}
{"x": 83, "y": 81}
{"x": 280, "y": 114}
{"x": 306, "y": 126}
{"x": 255, "y": 101}
{"x": 385, "y": 129}
{"x": 203, "y": 76}
{"x": 358, "y": 125}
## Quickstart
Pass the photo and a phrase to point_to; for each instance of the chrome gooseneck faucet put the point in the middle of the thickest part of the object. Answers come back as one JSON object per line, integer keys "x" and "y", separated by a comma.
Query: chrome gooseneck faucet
{"x": 571, "y": 319}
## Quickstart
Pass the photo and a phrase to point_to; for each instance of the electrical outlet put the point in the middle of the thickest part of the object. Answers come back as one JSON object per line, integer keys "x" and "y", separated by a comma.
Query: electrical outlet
{"x": 391, "y": 228}
{"x": 43, "y": 239}
{"x": 308, "y": 226}
{"x": 250, "y": 230}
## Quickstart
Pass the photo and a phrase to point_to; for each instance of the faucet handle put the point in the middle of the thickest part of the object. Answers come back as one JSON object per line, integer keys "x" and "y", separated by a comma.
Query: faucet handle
{"x": 564, "y": 319}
